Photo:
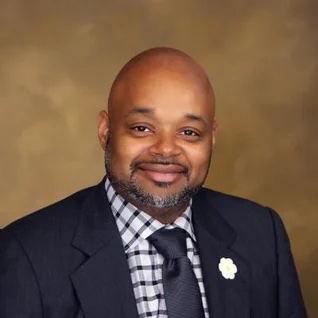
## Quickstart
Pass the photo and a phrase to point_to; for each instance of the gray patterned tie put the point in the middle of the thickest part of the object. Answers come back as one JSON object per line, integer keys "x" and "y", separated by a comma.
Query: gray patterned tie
{"x": 181, "y": 289}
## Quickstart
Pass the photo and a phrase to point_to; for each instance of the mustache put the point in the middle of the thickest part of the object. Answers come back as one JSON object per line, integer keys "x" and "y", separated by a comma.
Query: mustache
{"x": 160, "y": 161}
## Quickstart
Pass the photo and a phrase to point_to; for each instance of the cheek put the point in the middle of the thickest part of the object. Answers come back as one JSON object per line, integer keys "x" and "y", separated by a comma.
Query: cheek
{"x": 200, "y": 160}
{"x": 123, "y": 154}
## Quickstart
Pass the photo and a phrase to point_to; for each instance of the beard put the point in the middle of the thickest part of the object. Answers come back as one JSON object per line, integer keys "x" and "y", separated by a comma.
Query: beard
{"x": 133, "y": 190}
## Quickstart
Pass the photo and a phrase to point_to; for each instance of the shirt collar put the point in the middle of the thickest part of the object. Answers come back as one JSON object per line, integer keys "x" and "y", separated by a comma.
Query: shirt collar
{"x": 135, "y": 225}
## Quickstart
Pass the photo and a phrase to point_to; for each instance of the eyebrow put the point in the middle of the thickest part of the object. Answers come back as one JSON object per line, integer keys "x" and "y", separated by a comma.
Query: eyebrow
{"x": 196, "y": 118}
{"x": 151, "y": 111}
{"x": 141, "y": 110}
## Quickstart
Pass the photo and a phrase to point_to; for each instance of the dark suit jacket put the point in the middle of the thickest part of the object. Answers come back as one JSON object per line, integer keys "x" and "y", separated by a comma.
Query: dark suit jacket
{"x": 67, "y": 260}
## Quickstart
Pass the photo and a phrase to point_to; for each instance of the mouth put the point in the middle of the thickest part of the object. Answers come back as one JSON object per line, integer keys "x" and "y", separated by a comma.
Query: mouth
{"x": 162, "y": 173}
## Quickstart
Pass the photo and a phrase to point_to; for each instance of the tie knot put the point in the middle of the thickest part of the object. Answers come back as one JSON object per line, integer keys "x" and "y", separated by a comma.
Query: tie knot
{"x": 171, "y": 244}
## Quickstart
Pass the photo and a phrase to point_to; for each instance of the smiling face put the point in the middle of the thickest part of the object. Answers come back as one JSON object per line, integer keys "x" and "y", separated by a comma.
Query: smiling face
{"x": 158, "y": 138}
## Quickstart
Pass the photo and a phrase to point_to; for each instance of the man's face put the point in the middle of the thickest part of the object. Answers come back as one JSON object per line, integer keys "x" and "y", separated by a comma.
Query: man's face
{"x": 160, "y": 140}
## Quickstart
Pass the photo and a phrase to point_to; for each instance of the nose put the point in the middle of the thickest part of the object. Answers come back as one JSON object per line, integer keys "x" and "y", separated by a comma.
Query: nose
{"x": 165, "y": 145}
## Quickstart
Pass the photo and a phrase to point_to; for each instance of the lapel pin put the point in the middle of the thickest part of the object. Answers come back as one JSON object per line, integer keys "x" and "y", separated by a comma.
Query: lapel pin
{"x": 227, "y": 268}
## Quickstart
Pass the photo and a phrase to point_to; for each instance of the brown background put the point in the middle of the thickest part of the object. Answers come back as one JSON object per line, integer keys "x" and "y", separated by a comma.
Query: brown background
{"x": 58, "y": 59}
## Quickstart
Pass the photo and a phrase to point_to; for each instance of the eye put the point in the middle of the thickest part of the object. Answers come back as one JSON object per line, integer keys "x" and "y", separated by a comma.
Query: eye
{"x": 189, "y": 132}
{"x": 141, "y": 129}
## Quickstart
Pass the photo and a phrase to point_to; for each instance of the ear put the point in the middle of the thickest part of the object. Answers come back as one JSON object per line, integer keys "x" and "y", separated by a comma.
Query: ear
{"x": 103, "y": 128}
{"x": 214, "y": 130}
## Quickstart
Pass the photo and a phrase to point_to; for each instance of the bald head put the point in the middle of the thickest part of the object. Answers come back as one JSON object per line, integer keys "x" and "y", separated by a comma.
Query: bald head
{"x": 155, "y": 63}
{"x": 159, "y": 132}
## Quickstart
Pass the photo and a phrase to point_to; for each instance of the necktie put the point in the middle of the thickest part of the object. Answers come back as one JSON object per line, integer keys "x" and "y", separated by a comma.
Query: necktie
{"x": 181, "y": 289}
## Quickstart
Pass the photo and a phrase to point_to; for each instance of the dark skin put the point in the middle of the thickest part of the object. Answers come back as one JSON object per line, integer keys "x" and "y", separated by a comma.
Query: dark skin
{"x": 160, "y": 130}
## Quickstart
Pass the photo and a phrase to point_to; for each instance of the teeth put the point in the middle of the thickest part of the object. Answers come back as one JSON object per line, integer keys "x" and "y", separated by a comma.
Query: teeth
{"x": 162, "y": 176}
{"x": 160, "y": 168}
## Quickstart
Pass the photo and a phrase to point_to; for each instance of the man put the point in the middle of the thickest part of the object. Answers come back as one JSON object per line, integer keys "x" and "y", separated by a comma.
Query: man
{"x": 110, "y": 250}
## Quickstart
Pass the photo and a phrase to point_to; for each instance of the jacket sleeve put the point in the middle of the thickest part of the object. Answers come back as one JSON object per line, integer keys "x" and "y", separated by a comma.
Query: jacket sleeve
{"x": 290, "y": 300}
{"x": 19, "y": 291}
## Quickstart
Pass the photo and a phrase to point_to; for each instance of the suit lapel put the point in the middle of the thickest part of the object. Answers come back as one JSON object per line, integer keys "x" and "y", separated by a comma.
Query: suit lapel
{"x": 227, "y": 298}
{"x": 102, "y": 283}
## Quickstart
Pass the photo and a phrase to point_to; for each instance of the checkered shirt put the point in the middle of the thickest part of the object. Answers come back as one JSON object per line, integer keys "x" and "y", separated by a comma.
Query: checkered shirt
{"x": 144, "y": 262}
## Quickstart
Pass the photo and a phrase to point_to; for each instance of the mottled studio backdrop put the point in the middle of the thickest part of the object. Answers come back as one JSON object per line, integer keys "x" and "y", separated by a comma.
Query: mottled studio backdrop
{"x": 58, "y": 59}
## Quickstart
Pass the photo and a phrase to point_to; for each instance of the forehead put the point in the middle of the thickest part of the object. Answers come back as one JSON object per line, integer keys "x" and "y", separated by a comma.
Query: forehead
{"x": 168, "y": 93}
